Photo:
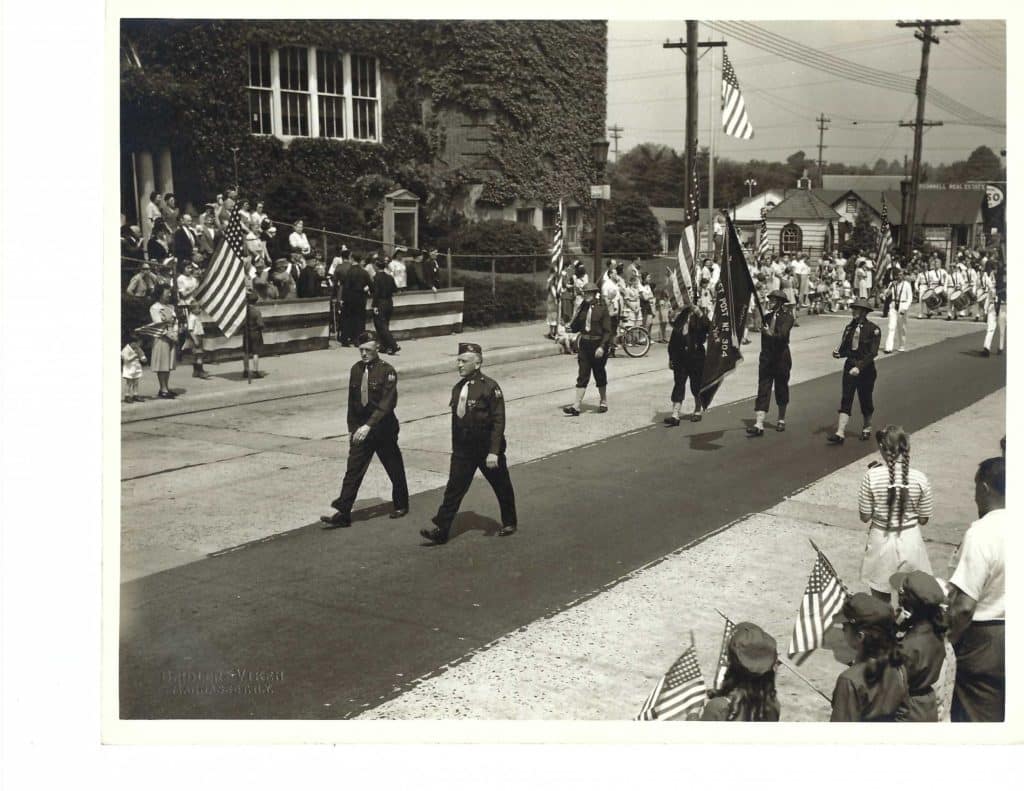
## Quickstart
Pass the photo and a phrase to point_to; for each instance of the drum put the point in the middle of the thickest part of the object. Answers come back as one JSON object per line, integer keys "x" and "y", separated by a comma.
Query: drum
{"x": 962, "y": 298}
{"x": 931, "y": 299}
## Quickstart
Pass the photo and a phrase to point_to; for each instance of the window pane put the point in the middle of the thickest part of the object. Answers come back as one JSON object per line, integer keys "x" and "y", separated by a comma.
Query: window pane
{"x": 259, "y": 65}
{"x": 332, "y": 116}
{"x": 330, "y": 72}
{"x": 364, "y": 76}
{"x": 294, "y": 69}
{"x": 259, "y": 112}
{"x": 524, "y": 216}
{"x": 366, "y": 118}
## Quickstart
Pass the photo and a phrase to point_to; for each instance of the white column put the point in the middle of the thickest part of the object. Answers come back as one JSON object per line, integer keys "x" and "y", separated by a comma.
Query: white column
{"x": 144, "y": 184}
{"x": 164, "y": 174}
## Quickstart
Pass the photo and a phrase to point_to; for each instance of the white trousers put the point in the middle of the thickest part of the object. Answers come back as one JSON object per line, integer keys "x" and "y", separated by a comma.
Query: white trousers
{"x": 897, "y": 331}
{"x": 993, "y": 322}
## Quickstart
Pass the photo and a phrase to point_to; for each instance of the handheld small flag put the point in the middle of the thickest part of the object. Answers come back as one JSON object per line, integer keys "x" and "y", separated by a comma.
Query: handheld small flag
{"x": 723, "y": 653}
{"x": 679, "y": 691}
{"x": 823, "y": 598}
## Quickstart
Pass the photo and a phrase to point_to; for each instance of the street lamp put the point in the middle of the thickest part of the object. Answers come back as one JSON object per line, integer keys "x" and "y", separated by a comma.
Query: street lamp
{"x": 599, "y": 156}
{"x": 750, "y": 183}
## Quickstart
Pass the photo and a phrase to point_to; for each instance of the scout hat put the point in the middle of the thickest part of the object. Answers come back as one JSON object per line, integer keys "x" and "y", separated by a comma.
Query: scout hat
{"x": 923, "y": 586}
{"x": 860, "y": 302}
{"x": 863, "y": 609}
{"x": 470, "y": 347}
{"x": 778, "y": 294}
{"x": 367, "y": 339}
{"x": 753, "y": 648}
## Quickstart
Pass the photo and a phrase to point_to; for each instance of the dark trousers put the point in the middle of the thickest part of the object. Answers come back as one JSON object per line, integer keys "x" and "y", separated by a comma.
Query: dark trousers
{"x": 773, "y": 372}
{"x": 353, "y": 321}
{"x": 863, "y": 384}
{"x": 359, "y": 456}
{"x": 465, "y": 462}
{"x": 588, "y": 363}
{"x": 687, "y": 367}
{"x": 381, "y": 323}
{"x": 980, "y": 691}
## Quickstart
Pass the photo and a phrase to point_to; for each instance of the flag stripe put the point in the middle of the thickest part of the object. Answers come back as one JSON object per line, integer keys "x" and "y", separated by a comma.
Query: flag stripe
{"x": 678, "y": 691}
{"x": 222, "y": 292}
{"x": 734, "y": 110}
{"x": 822, "y": 599}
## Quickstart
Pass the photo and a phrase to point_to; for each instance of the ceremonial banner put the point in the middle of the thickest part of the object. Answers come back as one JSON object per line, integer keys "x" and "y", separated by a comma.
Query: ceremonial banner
{"x": 993, "y": 209}
{"x": 732, "y": 304}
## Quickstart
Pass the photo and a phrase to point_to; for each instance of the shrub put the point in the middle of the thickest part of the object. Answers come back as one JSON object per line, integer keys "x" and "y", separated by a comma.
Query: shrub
{"x": 513, "y": 300}
{"x": 497, "y": 238}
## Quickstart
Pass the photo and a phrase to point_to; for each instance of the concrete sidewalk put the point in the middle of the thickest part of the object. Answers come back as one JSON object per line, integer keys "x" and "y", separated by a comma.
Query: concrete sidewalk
{"x": 327, "y": 369}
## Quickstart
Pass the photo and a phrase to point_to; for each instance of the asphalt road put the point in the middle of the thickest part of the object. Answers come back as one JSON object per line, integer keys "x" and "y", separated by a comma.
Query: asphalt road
{"x": 315, "y": 624}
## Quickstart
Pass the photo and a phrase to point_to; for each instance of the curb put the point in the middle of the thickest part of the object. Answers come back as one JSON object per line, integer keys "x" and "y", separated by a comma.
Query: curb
{"x": 268, "y": 391}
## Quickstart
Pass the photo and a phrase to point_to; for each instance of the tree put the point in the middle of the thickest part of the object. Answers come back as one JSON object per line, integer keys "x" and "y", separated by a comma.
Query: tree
{"x": 652, "y": 170}
{"x": 881, "y": 167}
{"x": 983, "y": 164}
{"x": 797, "y": 163}
{"x": 629, "y": 227}
{"x": 864, "y": 235}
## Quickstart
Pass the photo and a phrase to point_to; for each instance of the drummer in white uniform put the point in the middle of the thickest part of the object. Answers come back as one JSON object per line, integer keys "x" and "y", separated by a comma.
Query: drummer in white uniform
{"x": 959, "y": 294}
{"x": 901, "y": 297}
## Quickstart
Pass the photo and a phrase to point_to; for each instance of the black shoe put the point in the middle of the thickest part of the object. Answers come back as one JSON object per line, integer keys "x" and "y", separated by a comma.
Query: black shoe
{"x": 170, "y": 394}
{"x": 335, "y": 520}
{"x": 835, "y": 439}
{"x": 508, "y": 530}
{"x": 258, "y": 375}
{"x": 985, "y": 353}
{"x": 887, "y": 351}
{"x": 602, "y": 408}
{"x": 697, "y": 417}
{"x": 571, "y": 411}
{"x": 865, "y": 434}
{"x": 671, "y": 421}
{"x": 780, "y": 426}
{"x": 202, "y": 374}
{"x": 437, "y": 535}
{"x": 398, "y": 513}
{"x": 754, "y": 431}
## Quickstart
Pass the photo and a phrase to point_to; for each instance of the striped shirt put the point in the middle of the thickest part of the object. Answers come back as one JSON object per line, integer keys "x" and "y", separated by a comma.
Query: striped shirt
{"x": 874, "y": 497}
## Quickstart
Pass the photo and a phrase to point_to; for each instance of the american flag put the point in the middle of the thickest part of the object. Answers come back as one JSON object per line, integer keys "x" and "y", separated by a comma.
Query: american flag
{"x": 557, "y": 262}
{"x": 154, "y": 329}
{"x": 222, "y": 292}
{"x": 677, "y": 692}
{"x": 723, "y": 653}
{"x": 884, "y": 259}
{"x": 762, "y": 242}
{"x": 734, "y": 111}
{"x": 823, "y": 598}
{"x": 681, "y": 276}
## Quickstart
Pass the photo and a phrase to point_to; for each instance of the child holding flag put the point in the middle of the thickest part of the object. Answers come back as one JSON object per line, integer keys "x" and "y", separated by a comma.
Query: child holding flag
{"x": 747, "y": 692}
{"x": 132, "y": 358}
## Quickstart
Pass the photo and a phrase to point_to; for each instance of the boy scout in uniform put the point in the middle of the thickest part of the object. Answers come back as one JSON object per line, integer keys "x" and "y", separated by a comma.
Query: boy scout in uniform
{"x": 594, "y": 324}
{"x": 478, "y": 442}
{"x": 372, "y": 396}
{"x": 774, "y": 363}
{"x": 860, "y": 347}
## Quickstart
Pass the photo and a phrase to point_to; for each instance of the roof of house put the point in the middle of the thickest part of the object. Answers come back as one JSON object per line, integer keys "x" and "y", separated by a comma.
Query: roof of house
{"x": 857, "y": 183}
{"x": 934, "y": 207}
{"x": 674, "y": 214}
{"x": 803, "y": 205}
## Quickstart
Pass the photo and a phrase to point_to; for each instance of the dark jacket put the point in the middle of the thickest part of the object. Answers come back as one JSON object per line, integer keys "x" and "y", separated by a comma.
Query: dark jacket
{"x": 184, "y": 244}
{"x": 308, "y": 282}
{"x": 600, "y": 333}
{"x": 854, "y": 700}
{"x": 693, "y": 342}
{"x": 482, "y": 429}
{"x": 775, "y": 340}
{"x": 860, "y": 349}
{"x": 923, "y": 654}
{"x": 356, "y": 286}
{"x": 384, "y": 288}
{"x": 382, "y": 397}
{"x": 156, "y": 251}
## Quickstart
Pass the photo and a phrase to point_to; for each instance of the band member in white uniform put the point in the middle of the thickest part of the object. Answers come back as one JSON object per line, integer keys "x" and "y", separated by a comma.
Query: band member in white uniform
{"x": 994, "y": 288}
{"x": 957, "y": 285}
{"x": 901, "y": 295}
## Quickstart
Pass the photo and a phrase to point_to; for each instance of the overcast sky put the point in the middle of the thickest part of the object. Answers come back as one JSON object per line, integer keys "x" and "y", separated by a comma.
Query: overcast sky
{"x": 647, "y": 94}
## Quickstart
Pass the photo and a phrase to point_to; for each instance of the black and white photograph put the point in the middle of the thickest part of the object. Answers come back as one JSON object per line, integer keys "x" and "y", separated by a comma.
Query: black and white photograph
{"x": 559, "y": 370}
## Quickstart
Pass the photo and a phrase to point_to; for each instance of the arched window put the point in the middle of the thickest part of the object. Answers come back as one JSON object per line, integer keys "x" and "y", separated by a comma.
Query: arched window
{"x": 791, "y": 239}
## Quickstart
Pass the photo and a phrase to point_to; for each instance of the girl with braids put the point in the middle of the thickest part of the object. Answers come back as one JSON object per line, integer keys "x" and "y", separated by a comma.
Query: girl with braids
{"x": 921, "y": 627}
{"x": 896, "y": 500}
{"x": 874, "y": 688}
{"x": 747, "y": 693}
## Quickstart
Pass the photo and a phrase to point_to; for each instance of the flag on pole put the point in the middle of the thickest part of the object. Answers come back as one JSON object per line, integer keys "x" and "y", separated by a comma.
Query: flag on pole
{"x": 823, "y": 598}
{"x": 682, "y": 276}
{"x": 734, "y": 111}
{"x": 680, "y": 690}
{"x": 222, "y": 292}
{"x": 884, "y": 259}
{"x": 154, "y": 329}
{"x": 556, "y": 242}
{"x": 732, "y": 304}
{"x": 723, "y": 653}
{"x": 762, "y": 242}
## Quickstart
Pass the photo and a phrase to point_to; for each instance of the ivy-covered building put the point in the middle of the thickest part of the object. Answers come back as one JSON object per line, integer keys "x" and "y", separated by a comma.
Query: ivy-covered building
{"x": 480, "y": 119}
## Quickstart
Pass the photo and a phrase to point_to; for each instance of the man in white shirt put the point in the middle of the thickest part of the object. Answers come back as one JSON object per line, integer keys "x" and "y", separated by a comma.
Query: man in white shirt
{"x": 901, "y": 295}
{"x": 298, "y": 241}
{"x": 977, "y": 603}
{"x": 612, "y": 296}
{"x": 153, "y": 213}
{"x": 397, "y": 269}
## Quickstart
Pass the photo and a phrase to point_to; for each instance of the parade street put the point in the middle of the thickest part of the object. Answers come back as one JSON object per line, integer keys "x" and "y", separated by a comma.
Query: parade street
{"x": 236, "y": 604}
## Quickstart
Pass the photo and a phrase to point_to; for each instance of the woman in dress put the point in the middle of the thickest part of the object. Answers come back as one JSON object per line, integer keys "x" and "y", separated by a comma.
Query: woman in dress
{"x": 165, "y": 347}
{"x": 747, "y": 693}
{"x": 895, "y": 500}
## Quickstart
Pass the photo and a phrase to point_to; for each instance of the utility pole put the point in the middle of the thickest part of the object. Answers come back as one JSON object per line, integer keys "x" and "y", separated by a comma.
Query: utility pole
{"x": 615, "y": 132}
{"x": 923, "y": 32}
{"x": 691, "y": 45}
{"x": 822, "y": 120}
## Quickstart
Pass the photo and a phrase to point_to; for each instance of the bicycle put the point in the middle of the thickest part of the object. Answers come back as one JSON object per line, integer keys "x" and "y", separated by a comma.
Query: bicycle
{"x": 634, "y": 339}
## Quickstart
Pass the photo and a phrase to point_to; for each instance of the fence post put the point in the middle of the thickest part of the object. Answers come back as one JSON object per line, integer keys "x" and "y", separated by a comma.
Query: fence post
{"x": 494, "y": 277}
{"x": 449, "y": 267}
{"x": 324, "y": 237}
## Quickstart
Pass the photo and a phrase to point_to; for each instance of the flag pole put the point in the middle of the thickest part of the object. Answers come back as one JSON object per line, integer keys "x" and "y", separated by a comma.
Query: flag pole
{"x": 711, "y": 154}
{"x": 245, "y": 344}
{"x": 803, "y": 678}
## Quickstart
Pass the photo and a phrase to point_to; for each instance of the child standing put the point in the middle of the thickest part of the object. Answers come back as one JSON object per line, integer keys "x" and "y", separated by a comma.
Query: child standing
{"x": 254, "y": 335}
{"x": 132, "y": 358}
{"x": 921, "y": 619}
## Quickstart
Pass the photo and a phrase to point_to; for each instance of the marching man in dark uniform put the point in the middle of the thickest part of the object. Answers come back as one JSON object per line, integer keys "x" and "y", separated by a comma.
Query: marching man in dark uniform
{"x": 594, "y": 324}
{"x": 373, "y": 426}
{"x": 686, "y": 359}
{"x": 478, "y": 443}
{"x": 860, "y": 347}
{"x": 774, "y": 363}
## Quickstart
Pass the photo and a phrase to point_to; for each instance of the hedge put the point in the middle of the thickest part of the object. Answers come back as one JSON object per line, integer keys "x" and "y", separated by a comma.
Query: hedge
{"x": 513, "y": 300}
